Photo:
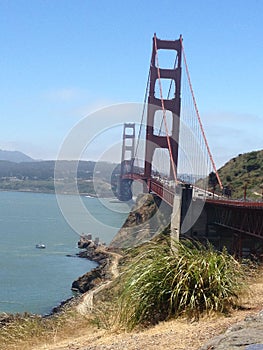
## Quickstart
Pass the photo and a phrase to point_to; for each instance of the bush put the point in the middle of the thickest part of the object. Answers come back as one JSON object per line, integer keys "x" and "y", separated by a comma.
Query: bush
{"x": 164, "y": 281}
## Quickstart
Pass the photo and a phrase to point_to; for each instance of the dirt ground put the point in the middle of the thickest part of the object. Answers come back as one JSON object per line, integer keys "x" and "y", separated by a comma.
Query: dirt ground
{"x": 172, "y": 335}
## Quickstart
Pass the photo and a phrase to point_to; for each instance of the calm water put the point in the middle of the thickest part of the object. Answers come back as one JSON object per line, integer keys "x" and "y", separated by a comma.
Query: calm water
{"x": 36, "y": 280}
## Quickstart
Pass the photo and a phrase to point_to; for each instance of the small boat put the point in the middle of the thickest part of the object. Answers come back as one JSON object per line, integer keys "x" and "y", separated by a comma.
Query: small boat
{"x": 40, "y": 246}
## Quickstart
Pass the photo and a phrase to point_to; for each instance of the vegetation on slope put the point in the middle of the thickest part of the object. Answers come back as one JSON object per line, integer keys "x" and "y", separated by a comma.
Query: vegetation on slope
{"x": 156, "y": 284}
{"x": 145, "y": 221}
{"x": 26, "y": 331}
{"x": 162, "y": 281}
{"x": 244, "y": 173}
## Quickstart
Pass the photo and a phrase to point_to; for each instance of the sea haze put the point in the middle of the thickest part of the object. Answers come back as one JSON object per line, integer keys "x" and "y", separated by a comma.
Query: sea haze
{"x": 36, "y": 280}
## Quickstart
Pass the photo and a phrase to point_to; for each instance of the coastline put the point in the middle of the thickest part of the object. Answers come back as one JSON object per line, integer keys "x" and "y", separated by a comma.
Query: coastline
{"x": 91, "y": 279}
{"x": 95, "y": 252}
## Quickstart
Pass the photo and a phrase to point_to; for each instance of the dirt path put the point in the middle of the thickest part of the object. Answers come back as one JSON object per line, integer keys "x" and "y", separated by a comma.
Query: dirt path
{"x": 114, "y": 264}
{"x": 86, "y": 304}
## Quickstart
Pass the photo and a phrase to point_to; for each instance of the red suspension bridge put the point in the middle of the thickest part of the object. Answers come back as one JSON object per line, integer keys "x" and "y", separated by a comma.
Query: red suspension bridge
{"x": 171, "y": 158}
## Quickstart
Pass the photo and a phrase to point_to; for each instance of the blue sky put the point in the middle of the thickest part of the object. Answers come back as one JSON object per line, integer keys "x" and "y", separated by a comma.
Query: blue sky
{"x": 61, "y": 60}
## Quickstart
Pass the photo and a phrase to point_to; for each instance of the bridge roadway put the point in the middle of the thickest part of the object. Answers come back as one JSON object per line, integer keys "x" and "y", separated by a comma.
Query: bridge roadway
{"x": 244, "y": 217}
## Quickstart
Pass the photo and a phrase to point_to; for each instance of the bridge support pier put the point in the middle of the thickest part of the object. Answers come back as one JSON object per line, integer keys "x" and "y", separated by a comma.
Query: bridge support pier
{"x": 176, "y": 214}
{"x": 182, "y": 201}
{"x": 124, "y": 191}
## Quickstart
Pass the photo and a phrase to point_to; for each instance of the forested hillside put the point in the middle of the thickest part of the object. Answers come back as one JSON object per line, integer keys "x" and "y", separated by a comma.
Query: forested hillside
{"x": 38, "y": 176}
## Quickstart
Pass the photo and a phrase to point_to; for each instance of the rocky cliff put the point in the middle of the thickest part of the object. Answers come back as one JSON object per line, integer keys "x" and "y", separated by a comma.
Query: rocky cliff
{"x": 147, "y": 218}
{"x": 94, "y": 277}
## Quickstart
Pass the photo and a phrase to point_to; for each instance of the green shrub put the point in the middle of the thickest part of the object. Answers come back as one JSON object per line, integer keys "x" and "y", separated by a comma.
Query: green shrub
{"x": 164, "y": 281}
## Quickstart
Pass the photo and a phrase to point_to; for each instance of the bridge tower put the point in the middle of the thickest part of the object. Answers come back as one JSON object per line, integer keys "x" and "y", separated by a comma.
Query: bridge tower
{"x": 124, "y": 192}
{"x": 155, "y": 104}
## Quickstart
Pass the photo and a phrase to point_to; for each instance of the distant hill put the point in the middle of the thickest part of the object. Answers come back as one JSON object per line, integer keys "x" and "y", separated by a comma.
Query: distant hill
{"x": 244, "y": 170}
{"x": 23, "y": 173}
{"x": 44, "y": 170}
{"x": 38, "y": 176}
{"x": 14, "y": 156}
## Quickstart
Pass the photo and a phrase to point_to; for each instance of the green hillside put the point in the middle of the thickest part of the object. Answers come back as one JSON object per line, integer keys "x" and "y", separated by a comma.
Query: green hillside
{"x": 245, "y": 170}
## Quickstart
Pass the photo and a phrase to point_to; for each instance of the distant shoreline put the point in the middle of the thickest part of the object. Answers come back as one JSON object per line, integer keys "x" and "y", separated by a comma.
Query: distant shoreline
{"x": 91, "y": 195}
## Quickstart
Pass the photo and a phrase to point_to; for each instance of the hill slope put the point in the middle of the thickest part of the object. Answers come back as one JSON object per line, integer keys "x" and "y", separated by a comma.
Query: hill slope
{"x": 245, "y": 170}
{"x": 14, "y": 156}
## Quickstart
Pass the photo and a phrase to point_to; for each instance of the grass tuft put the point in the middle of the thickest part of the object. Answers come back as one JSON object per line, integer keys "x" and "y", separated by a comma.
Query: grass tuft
{"x": 163, "y": 282}
{"x": 25, "y": 331}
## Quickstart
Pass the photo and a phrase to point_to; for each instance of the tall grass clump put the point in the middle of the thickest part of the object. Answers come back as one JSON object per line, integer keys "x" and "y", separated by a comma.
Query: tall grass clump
{"x": 165, "y": 280}
{"x": 27, "y": 331}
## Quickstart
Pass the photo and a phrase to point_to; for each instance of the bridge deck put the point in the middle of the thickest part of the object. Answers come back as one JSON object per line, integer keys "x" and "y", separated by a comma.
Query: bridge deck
{"x": 241, "y": 216}
{"x": 166, "y": 192}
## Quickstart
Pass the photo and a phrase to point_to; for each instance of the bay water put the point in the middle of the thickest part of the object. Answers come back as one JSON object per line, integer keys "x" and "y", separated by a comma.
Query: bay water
{"x": 35, "y": 280}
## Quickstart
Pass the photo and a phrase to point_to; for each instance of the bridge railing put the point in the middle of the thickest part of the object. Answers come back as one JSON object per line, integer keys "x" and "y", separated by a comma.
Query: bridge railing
{"x": 165, "y": 189}
{"x": 236, "y": 203}
{"x": 166, "y": 193}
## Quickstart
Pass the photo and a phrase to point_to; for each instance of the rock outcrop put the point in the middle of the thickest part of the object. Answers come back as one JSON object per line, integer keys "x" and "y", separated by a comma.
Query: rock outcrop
{"x": 147, "y": 218}
{"x": 94, "y": 277}
{"x": 245, "y": 335}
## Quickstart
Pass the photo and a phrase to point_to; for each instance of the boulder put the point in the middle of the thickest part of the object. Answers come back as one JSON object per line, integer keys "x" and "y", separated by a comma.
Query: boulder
{"x": 245, "y": 335}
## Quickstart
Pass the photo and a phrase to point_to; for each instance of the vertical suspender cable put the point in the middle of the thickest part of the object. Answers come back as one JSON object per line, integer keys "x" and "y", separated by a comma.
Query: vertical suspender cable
{"x": 143, "y": 111}
{"x": 199, "y": 119}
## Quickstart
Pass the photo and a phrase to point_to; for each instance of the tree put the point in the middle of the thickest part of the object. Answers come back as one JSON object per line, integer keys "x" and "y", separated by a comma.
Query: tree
{"x": 213, "y": 181}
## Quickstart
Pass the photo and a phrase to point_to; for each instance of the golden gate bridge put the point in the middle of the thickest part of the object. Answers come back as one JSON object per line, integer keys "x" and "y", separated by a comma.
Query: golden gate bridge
{"x": 171, "y": 158}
